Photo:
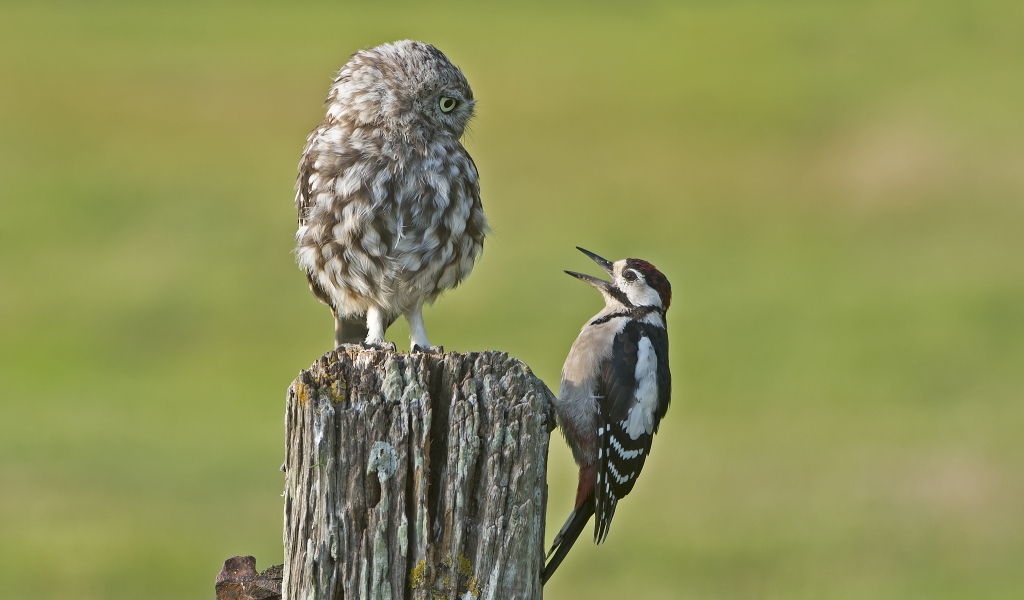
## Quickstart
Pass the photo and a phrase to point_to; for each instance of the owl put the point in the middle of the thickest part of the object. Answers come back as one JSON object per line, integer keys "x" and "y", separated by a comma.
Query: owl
{"x": 388, "y": 199}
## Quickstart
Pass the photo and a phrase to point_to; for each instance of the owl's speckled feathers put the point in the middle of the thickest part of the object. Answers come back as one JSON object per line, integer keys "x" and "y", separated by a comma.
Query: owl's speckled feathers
{"x": 388, "y": 199}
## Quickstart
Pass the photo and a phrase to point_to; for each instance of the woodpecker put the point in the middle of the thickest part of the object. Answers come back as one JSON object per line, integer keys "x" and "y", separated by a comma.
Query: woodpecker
{"x": 615, "y": 389}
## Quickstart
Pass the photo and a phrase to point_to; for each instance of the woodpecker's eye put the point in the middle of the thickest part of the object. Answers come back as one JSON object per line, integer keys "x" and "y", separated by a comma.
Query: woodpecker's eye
{"x": 629, "y": 276}
{"x": 447, "y": 104}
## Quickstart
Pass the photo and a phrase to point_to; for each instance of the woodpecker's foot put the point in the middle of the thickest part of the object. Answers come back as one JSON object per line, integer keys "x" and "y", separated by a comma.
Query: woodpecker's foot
{"x": 439, "y": 350}
{"x": 380, "y": 347}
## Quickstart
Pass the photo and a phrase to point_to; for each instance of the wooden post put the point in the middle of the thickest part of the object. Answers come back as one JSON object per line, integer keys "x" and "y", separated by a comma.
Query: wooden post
{"x": 415, "y": 476}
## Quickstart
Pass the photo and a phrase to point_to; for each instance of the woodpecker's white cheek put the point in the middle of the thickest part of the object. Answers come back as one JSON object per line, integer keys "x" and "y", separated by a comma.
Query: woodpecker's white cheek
{"x": 641, "y": 416}
{"x": 641, "y": 295}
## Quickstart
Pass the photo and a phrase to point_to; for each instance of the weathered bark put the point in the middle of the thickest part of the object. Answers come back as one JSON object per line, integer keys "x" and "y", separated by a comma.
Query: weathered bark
{"x": 238, "y": 580}
{"x": 415, "y": 476}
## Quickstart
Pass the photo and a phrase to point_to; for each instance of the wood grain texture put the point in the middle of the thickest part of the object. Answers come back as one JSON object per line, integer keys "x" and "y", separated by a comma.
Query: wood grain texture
{"x": 415, "y": 476}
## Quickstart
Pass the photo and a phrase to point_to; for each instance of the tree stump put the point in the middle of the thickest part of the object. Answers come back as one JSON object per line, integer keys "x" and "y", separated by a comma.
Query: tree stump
{"x": 415, "y": 476}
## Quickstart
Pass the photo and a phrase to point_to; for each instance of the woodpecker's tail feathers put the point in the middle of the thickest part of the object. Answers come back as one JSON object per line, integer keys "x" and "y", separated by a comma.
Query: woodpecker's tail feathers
{"x": 604, "y": 519}
{"x": 567, "y": 536}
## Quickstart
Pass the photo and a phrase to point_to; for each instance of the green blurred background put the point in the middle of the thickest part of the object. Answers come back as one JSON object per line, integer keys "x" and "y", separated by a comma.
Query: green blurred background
{"x": 835, "y": 189}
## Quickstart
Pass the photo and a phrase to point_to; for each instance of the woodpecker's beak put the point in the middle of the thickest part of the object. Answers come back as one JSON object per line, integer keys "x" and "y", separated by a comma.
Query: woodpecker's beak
{"x": 594, "y": 281}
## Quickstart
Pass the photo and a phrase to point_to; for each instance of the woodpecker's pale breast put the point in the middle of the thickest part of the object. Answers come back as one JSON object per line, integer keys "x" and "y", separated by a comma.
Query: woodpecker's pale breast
{"x": 578, "y": 394}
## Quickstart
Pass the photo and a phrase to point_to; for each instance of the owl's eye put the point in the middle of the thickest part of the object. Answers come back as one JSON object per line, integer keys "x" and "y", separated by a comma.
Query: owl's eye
{"x": 629, "y": 276}
{"x": 447, "y": 104}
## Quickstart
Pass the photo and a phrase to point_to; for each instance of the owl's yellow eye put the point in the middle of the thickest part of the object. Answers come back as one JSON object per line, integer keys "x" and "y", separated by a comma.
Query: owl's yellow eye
{"x": 447, "y": 104}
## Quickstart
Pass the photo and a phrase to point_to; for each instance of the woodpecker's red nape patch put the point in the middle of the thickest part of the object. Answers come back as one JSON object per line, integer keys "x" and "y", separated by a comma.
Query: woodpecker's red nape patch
{"x": 654, "y": 278}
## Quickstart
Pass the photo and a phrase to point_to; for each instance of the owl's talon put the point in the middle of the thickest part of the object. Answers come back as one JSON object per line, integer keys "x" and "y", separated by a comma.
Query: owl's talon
{"x": 438, "y": 350}
{"x": 381, "y": 347}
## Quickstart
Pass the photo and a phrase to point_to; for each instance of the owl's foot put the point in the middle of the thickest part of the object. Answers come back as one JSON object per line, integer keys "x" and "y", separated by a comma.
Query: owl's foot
{"x": 438, "y": 350}
{"x": 418, "y": 333}
{"x": 380, "y": 346}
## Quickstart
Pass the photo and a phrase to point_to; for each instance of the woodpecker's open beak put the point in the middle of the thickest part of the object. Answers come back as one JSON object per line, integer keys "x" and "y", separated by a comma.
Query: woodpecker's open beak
{"x": 594, "y": 281}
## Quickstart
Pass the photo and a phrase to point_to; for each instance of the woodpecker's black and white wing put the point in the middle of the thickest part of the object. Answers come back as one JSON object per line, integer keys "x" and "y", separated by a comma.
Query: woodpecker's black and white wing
{"x": 634, "y": 391}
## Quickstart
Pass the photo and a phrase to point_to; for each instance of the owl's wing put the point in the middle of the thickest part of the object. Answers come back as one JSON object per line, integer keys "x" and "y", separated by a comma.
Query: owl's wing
{"x": 342, "y": 241}
{"x": 303, "y": 190}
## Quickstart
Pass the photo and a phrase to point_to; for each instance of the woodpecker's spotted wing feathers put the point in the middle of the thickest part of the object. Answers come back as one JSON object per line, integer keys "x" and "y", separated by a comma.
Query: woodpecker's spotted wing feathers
{"x": 634, "y": 392}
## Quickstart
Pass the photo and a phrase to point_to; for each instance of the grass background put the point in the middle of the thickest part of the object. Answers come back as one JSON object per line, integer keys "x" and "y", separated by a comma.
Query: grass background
{"x": 834, "y": 189}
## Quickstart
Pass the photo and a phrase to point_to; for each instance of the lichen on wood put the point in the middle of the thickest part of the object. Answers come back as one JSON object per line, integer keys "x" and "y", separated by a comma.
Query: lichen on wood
{"x": 415, "y": 476}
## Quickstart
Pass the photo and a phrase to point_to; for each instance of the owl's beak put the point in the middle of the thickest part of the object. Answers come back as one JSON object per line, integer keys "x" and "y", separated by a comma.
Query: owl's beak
{"x": 594, "y": 281}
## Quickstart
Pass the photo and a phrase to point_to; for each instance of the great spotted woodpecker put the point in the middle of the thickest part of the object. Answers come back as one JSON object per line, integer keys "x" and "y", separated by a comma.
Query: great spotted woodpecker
{"x": 615, "y": 389}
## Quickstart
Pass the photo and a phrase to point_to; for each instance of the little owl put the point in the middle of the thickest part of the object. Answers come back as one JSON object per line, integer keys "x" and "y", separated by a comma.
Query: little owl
{"x": 388, "y": 199}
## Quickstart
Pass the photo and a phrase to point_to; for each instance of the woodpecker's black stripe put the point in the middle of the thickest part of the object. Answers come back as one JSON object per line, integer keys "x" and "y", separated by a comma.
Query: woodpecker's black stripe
{"x": 607, "y": 318}
{"x": 620, "y": 457}
{"x": 637, "y": 313}
{"x": 619, "y": 295}
{"x": 640, "y": 312}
